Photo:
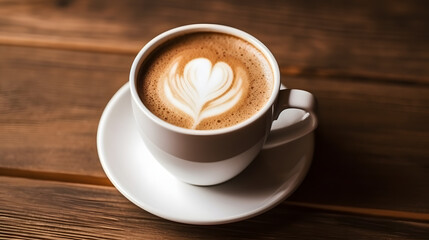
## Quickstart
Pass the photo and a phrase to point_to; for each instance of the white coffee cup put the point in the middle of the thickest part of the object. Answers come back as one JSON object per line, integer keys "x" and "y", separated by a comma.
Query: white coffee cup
{"x": 208, "y": 157}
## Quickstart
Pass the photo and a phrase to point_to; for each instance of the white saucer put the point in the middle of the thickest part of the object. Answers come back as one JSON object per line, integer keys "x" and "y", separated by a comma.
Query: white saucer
{"x": 269, "y": 180}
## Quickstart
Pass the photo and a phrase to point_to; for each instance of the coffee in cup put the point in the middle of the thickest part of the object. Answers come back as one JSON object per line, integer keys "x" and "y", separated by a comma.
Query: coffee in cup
{"x": 205, "y": 80}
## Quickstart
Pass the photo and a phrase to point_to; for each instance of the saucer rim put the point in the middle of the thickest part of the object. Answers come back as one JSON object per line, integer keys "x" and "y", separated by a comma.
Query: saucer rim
{"x": 270, "y": 203}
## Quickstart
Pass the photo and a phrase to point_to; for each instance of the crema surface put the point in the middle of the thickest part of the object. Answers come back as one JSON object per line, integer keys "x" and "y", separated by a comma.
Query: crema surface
{"x": 205, "y": 81}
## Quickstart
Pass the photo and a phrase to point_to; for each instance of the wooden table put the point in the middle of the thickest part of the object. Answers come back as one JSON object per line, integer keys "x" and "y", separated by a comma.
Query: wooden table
{"x": 366, "y": 61}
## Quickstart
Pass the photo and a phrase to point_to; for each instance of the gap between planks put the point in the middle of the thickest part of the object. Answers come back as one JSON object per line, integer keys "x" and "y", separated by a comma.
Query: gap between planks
{"x": 103, "y": 181}
{"x": 125, "y": 49}
{"x": 290, "y": 71}
{"x": 52, "y": 176}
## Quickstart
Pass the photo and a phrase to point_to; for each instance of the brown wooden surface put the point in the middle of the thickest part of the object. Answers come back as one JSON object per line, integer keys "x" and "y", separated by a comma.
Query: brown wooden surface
{"x": 93, "y": 212}
{"x": 367, "y": 63}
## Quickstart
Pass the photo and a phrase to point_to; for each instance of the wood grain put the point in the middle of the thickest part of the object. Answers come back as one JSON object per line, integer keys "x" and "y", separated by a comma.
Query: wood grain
{"x": 366, "y": 62}
{"x": 387, "y": 38}
{"x": 52, "y": 210}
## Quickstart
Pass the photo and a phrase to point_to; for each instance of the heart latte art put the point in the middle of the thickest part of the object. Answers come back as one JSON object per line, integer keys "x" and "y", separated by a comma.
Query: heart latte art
{"x": 204, "y": 89}
{"x": 205, "y": 81}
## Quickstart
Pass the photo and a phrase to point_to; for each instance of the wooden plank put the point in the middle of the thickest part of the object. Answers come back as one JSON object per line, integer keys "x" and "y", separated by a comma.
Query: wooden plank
{"x": 387, "y": 38}
{"x": 52, "y": 210}
{"x": 371, "y": 144}
{"x": 50, "y": 105}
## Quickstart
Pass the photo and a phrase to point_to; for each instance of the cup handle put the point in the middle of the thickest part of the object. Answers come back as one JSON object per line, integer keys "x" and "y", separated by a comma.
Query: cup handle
{"x": 283, "y": 130}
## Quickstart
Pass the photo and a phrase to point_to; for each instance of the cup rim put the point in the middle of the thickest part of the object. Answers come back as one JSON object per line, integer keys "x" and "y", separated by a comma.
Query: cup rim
{"x": 205, "y": 27}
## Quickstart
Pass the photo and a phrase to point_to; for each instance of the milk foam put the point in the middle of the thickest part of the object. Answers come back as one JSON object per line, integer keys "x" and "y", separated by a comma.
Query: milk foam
{"x": 205, "y": 81}
{"x": 203, "y": 90}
